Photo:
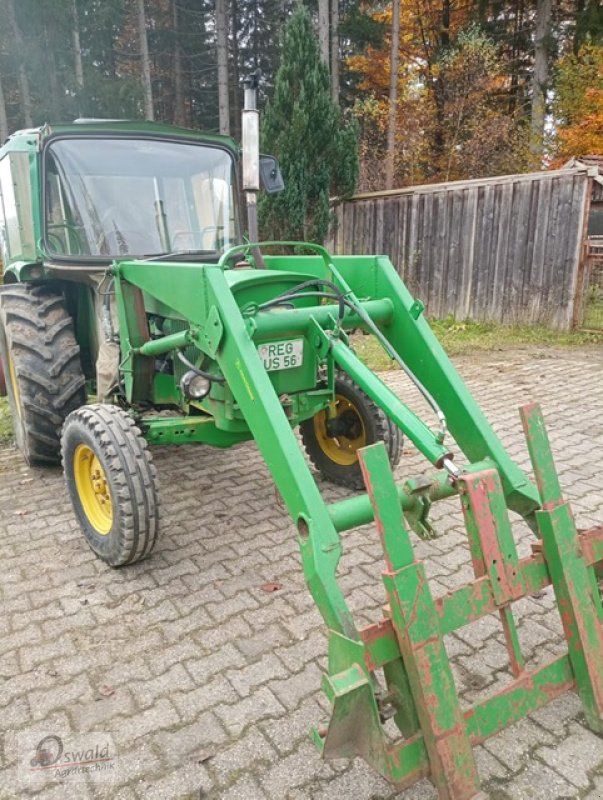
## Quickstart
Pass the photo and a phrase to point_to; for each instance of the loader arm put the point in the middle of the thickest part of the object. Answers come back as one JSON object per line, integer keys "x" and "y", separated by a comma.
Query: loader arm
{"x": 412, "y": 337}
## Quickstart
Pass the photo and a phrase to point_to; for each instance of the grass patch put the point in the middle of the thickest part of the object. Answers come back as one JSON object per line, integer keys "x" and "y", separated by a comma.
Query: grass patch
{"x": 593, "y": 313}
{"x": 460, "y": 338}
{"x": 6, "y": 424}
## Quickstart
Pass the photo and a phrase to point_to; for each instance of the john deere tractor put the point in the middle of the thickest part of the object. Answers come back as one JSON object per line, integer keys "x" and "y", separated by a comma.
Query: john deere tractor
{"x": 134, "y": 313}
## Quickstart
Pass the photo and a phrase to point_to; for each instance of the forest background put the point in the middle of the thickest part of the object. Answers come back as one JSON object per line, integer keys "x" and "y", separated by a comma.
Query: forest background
{"x": 438, "y": 89}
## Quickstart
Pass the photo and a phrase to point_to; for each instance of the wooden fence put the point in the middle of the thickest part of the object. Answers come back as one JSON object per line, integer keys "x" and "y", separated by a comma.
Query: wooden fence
{"x": 508, "y": 249}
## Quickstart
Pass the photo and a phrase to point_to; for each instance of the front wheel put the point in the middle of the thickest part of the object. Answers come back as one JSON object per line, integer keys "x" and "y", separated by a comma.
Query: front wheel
{"x": 332, "y": 442}
{"x": 111, "y": 481}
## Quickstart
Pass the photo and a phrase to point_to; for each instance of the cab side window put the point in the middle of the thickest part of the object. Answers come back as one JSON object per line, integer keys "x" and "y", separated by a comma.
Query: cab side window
{"x": 16, "y": 226}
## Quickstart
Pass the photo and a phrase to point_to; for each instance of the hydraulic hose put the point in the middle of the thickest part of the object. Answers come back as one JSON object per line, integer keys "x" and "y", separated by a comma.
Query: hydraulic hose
{"x": 209, "y": 375}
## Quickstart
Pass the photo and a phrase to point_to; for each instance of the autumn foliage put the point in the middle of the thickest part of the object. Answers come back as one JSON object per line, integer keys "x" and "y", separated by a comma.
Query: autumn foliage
{"x": 579, "y": 103}
{"x": 465, "y": 87}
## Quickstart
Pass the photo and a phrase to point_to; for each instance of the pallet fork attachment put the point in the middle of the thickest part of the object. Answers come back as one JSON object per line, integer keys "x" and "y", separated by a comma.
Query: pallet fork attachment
{"x": 436, "y": 734}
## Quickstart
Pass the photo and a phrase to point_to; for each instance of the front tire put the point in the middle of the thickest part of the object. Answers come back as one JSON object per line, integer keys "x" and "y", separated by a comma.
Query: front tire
{"x": 41, "y": 360}
{"x": 111, "y": 481}
{"x": 359, "y": 422}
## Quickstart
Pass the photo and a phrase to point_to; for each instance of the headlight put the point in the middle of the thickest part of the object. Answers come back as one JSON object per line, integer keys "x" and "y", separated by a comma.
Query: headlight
{"x": 194, "y": 386}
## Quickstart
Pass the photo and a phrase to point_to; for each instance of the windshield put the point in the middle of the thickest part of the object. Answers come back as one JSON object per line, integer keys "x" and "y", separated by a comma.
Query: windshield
{"x": 114, "y": 197}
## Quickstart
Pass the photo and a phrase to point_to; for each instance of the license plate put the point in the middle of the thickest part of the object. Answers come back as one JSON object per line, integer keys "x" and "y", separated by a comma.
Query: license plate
{"x": 282, "y": 355}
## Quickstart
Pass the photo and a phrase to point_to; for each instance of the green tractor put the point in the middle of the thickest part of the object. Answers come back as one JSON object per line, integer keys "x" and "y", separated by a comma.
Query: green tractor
{"x": 135, "y": 314}
{"x": 83, "y": 199}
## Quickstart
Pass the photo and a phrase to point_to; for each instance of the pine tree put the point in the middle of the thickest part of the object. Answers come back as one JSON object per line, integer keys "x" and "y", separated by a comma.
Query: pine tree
{"x": 111, "y": 60}
{"x": 302, "y": 126}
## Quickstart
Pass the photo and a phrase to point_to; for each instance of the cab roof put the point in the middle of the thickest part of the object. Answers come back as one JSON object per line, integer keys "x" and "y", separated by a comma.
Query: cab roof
{"x": 32, "y": 138}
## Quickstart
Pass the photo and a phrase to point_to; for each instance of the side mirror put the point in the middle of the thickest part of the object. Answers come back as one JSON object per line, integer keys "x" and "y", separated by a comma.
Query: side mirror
{"x": 270, "y": 175}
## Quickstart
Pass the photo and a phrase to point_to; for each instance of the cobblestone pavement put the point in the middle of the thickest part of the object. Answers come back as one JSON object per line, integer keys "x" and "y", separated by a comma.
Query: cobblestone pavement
{"x": 209, "y": 685}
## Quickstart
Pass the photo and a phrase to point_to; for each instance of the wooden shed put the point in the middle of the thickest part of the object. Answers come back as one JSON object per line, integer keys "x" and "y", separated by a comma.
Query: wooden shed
{"x": 510, "y": 249}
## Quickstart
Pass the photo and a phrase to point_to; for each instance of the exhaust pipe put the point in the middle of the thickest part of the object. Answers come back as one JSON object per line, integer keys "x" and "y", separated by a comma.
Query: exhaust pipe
{"x": 251, "y": 159}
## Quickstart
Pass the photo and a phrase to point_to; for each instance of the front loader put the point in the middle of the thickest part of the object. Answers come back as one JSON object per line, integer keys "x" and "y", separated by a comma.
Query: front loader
{"x": 134, "y": 314}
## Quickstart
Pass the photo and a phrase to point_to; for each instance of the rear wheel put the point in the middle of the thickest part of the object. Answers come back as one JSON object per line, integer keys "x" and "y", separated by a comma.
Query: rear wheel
{"x": 43, "y": 374}
{"x": 332, "y": 443}
{"x": 111, "y": 481}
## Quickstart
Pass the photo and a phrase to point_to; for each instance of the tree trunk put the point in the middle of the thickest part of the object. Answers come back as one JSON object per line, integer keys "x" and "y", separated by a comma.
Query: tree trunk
{"x": 335, "y": 51}
{"x": 179, "y": 110}
{"x": 445, "y": 31}
{"x": 56, "y": 100}
{"x": 540, "y": 77}
{"x": 323, "y": 30}
{"x": 222, "y": 51}
{"x": 3, "y": 118}
{"x": 439, "y": 92}
{"x": 256, "y": 50}
{"x": 236, "y": 75}
{"x": 147, "y": 86}
{"x": 22, "y": 74}
{"x": 578, "y": 31}
{"x": 390, "y": 157}
{"x": 514, "y": 61}
{"x": 77, "y": 49}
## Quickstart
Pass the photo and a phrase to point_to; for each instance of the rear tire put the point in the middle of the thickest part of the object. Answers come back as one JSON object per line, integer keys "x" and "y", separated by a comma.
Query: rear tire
{"x": 111, "y": 481}
{"x": 336, "y": 457}
{"x": 41, "y": 358}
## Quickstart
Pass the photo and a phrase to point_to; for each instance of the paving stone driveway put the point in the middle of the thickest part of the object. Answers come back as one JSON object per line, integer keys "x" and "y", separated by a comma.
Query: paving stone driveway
{"x": 208, "y": 684}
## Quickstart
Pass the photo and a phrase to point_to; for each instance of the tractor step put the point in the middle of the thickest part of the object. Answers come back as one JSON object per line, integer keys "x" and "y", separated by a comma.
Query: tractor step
{"x": 436, "y": 734}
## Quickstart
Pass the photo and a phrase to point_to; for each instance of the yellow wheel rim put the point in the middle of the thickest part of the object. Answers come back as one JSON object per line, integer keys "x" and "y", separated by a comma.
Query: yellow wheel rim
{"x": 342, "y": 450}
{"x": 12, "y": 374}
{"x": 92, "y": 489}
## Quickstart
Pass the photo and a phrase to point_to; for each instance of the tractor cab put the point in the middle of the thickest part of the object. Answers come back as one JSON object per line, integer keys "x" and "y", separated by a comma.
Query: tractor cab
{"x": 87, "y": 193}
{"x": 105, "y": 198}
{"x": 79, "y": 197}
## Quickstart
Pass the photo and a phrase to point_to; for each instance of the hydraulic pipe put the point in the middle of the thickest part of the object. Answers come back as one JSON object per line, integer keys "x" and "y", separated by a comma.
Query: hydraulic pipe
{"x": 156, "y": 347}
{"x": 355, "y": 511}
{"x": 277, "y": 323}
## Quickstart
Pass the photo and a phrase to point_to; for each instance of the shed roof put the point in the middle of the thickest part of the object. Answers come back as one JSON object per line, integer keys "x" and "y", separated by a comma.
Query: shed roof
{"x": 590, "y": 160}
{"x": 594, "y": 163}
{"x": 522, "y": 177}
